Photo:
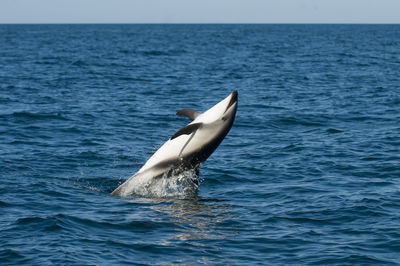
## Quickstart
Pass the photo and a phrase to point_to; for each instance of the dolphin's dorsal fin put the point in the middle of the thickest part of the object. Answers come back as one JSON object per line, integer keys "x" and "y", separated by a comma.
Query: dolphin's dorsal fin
{"x": 186, "y": 130}
{"x": 190, "y": 113}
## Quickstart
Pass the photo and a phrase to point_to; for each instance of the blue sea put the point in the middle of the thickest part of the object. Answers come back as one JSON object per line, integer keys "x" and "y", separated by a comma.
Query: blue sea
{"x": 308, "y": 175}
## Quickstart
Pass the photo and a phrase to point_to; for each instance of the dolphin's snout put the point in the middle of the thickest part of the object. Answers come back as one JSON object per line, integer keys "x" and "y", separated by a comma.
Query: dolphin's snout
{"x": 235, "y": 94}
{"x": 234, "y": 98}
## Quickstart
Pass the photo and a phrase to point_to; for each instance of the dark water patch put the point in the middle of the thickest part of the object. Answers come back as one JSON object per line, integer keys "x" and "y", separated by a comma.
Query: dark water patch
{"x": 163, "y": 52}
{"x": 34, "y": 223}
{"x": 71, "y": 130}
{"x": 334, "y": 130}
{"x": 79, "y": 63}
{"x": 155, "y": 53}
{"x": 91, "y": 142}
{"x": 131, "y": 226}
{"x": 294, "y": 121}
{"x": 4, "y": 204}
{"x": 10, "y": 256}
{"x": 29, "y": 116}
{"x": 354, "y": 258}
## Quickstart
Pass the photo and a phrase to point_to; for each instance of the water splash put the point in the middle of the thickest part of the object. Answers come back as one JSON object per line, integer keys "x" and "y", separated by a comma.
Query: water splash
{"x": 178, "y": 183}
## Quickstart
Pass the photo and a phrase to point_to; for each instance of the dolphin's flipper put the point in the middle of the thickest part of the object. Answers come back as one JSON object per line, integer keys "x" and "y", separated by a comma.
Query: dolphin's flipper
{"x": 186, "y": 130}
{"x": 190, "y": 113}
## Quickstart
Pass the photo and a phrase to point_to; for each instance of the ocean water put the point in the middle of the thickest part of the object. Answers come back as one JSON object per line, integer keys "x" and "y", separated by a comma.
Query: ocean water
{"x": 308, "y": 175}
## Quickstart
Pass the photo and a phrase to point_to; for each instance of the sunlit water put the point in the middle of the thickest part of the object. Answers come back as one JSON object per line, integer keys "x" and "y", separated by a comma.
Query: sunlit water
{"x": 309, "y": 173}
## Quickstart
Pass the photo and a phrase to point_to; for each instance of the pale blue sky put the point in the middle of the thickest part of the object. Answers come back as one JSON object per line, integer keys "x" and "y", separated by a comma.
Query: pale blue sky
{"x": 199, "y": 11}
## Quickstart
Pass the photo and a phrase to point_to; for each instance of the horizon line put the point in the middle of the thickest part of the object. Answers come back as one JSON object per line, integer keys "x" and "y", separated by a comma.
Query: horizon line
{"x": 199, "y": 23}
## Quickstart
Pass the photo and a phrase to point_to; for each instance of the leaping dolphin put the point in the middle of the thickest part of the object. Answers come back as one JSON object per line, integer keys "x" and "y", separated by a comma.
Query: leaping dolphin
{"x": 189, "y": 146}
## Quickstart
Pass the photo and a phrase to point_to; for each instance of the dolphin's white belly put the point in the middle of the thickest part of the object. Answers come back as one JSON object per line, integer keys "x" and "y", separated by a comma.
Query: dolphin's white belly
{"x": 181, "y": 146}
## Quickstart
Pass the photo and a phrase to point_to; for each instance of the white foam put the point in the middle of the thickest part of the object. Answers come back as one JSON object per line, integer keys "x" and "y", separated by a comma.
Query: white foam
{"x": 181, "y": 183}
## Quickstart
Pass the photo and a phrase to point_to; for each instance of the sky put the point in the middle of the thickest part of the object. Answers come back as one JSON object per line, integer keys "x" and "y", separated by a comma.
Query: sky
{"x": 199, "y": 11}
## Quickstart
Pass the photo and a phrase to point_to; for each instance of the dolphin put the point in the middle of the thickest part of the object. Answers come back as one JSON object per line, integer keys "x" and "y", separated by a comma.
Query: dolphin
{"x": 189, "y": 146}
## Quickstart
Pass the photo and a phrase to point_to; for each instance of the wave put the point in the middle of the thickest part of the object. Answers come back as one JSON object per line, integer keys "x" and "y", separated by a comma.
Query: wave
{"x": 163, "y": 53}
{"x": 36, "y": 116}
